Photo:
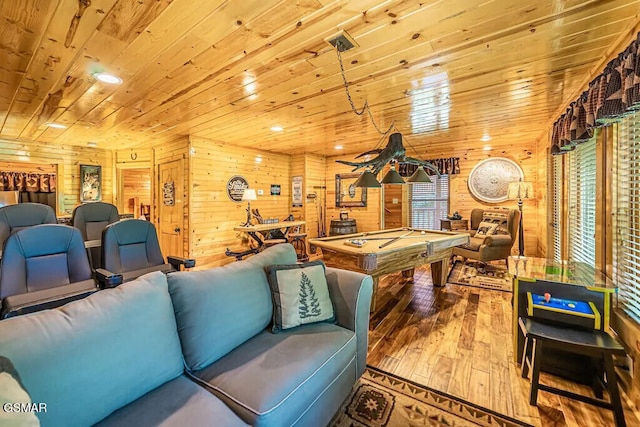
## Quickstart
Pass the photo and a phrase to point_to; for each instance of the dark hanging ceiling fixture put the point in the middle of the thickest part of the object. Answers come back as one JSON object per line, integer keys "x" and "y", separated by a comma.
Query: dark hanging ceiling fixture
{"x": 393, "y": 153}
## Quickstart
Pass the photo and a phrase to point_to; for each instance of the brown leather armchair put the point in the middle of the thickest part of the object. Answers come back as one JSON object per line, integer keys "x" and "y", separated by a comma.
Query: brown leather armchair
{"x": 491, "y": 247}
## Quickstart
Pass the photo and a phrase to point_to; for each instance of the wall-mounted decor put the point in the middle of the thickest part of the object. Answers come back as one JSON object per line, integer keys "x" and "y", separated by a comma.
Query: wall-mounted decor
{"x": 347, "y": 194}
{"x": 275, "y": 189}
{"x": 235, "y": 188}
{"x": 168, "y": 193}
{"x": 91, "y": 183}
{"x": 490, "y": 178}
{"x": 296, "y": 191}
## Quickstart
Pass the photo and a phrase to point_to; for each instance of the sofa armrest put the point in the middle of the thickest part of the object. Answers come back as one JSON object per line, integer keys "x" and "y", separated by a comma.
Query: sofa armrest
{"x": 351, "y": 295}
{"x": 498, "y": 240}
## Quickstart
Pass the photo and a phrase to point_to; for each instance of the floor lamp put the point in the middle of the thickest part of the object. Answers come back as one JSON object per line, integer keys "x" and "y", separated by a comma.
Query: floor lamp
{"x": 248, "y": 195}
{"x": 520, "y": 190}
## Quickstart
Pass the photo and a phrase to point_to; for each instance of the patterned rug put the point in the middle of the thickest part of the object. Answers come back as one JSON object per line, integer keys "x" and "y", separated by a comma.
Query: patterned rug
{"x": 489, "y": 276}
{"x": 384, "y": 400}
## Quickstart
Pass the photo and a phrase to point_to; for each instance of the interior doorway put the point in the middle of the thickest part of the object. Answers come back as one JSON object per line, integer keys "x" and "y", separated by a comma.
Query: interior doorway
{"x": 135, "y": 185}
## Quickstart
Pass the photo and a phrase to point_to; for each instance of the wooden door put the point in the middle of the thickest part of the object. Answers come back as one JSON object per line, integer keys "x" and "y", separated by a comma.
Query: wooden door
{"x": 392, "y": 206}
{"x": 171, "y": 208}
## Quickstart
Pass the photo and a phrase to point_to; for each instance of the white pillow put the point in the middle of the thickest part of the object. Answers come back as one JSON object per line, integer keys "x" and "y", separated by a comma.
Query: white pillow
{"x": 12, "y": 393}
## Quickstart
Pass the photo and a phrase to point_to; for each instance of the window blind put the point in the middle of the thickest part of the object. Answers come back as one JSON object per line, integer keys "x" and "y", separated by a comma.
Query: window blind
{"x": 581, "y": 224}
{"x": 429, "y": 203}
{"x": 627, "y": 219}
{"x": 555, "y": 211}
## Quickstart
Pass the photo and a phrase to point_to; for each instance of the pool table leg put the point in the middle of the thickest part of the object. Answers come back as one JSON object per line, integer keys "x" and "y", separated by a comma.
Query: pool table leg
{"x": 440, "y": 271}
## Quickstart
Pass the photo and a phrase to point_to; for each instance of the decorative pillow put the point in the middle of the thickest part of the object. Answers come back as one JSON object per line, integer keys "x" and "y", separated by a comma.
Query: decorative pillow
{"x": 486, "y": 229}
{"x": 499, "y": 218}
{"x": 300, "y": 295}
{"x": 12, "y": 395}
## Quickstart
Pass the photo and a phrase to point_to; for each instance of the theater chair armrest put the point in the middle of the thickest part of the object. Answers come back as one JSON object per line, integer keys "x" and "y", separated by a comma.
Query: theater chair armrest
{"x": 107, "y": 279}
{"x": 498, "y": 240}
{"x": 177, "y": 261}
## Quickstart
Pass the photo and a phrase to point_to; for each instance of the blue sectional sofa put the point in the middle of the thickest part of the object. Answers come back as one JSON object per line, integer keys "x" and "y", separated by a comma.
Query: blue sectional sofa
{"x": 191, "y": 349}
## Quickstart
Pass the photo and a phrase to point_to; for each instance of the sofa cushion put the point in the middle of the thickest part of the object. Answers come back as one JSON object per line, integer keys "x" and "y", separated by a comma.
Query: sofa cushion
{"x": 12, "y": 391}
{"x": 93, "y": 356}
{"x": 300, "y": 295}
{"x": 272, "y": 379}
{"x": 220, "y": 308}
{"x": 486, "y": 229}
{"x": 180, "y": 402}
{"x": 498, "y": 217}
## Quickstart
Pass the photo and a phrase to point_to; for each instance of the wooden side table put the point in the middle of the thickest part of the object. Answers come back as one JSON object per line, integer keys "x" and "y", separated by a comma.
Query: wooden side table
{"x": 454, "y": 224}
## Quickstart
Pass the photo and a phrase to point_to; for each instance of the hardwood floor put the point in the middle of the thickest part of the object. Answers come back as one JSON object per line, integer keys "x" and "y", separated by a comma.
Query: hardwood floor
{"x": 458, "y": 339}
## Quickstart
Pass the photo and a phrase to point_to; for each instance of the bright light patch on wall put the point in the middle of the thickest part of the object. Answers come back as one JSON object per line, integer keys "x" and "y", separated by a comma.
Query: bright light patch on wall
{"x": 485, "y": 137}
{"x": 430, "y": 103}
{"x": 338, "y": 147}
{"x": 56, "y": 125}
{"x": 258, "y": 159}
{"x": 108, "y": 78}
{"x": 276, "y": 128}
{"x": 486, "y": 147}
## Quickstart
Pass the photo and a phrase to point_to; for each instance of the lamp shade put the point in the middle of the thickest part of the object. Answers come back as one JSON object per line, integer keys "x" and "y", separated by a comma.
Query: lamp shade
{"x": 419, "y": 177}
{"x": 367, "y": 180}
{"x": 249, "y": 194}
{"x": 520, "y": 190}
{"x": 392, "y": 177}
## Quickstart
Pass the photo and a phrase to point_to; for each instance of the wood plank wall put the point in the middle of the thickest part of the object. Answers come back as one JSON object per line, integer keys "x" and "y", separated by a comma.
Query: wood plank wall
{"x": 367, "y": 218}
{"x": 543, "y": 163}
{"x": 164, "y": 153}
{"x": 67, "y": 159}
{"x": 315, "y": 183}
{"x": 212, "y": 214}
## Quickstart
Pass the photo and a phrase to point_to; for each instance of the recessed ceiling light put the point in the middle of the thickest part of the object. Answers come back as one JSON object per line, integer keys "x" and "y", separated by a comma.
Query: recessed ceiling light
{"x": 485, "y": 137}
{"x": 276, "y": 128}
{"x": 56, "y": 125}
{"x": 92, "y": 144}
{"x": 338, "y": 147}
{"x": 108, "y": 78}
{"x": 258, "y": 159}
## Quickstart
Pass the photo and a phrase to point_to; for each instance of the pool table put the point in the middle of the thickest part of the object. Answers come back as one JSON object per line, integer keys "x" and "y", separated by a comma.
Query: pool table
{"x": 387, "y": 251}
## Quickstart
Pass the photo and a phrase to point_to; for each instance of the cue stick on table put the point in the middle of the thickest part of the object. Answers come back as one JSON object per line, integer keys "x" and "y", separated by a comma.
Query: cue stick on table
{"x": 387, "y": 238}
{"x": 395, "y": 239}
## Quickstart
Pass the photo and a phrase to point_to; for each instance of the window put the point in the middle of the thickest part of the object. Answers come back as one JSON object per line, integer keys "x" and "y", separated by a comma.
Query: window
{"x": 555, "y": 209}
{"x": 582, "y": 203}
{"x": 626, "y": 246}
{"x": 429, "y": 203}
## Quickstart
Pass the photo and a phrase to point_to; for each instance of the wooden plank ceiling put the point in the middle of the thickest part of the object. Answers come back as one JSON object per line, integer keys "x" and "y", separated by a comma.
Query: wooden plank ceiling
{"x": 440, "y": 71}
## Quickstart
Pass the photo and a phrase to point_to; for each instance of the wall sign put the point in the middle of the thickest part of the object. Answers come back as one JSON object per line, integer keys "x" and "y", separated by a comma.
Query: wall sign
{"x": 235, "y": 188}
{"x": 168, "y": 194}
{"x": 275, "y": 189}
{"x": 296, "y": 191}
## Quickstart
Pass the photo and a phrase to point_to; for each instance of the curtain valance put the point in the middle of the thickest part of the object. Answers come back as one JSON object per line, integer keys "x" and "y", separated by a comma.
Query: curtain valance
{"x": 449, "y": 166}
{"x": 31, "y": 182}
{"x": 610, "y": 96}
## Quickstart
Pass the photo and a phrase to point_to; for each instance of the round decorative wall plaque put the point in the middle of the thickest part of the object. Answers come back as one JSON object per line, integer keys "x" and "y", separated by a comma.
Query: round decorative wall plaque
{"x": 490, "y": 178}
{"x": 235, "y": 187}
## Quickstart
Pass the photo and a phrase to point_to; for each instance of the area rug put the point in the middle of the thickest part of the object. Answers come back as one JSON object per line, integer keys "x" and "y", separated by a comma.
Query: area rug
{"x": 487, "y": 276}
{"x": 381, "y": 399}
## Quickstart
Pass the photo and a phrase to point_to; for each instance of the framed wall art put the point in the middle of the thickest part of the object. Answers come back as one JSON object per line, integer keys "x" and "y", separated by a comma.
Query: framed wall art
{"x": 347, "y": 194}
{"x": 90, "y": 183}
{"x": 490, "y": 178}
